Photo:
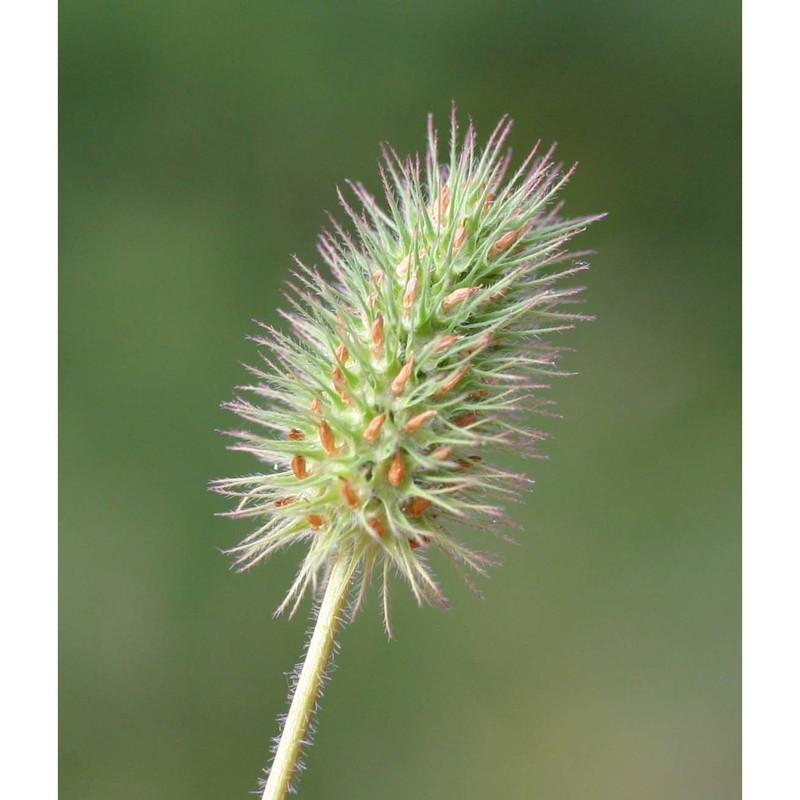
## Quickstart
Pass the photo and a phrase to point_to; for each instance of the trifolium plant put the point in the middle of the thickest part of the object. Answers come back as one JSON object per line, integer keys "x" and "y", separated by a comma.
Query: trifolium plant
{"x": 399, "y": 370}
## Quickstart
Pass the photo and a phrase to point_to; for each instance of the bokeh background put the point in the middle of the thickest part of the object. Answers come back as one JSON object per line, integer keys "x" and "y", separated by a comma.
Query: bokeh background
{"x": 200, "y": 144}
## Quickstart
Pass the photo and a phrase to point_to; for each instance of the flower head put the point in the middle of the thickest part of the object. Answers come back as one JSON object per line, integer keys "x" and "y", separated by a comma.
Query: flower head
{"x": 376, "y": 410}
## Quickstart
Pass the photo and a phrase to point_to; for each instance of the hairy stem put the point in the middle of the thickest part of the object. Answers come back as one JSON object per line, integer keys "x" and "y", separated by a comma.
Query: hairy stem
{"x": 312, "y": 674}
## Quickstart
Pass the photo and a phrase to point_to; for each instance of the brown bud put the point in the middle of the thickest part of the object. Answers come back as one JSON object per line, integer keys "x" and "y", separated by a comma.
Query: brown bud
{"x": 340, "y": 384}
{"x": 452, "y": 381}
{"x": 504, "y": 242}
{"x": 327, "y": 439}
{"x": 485, "y": 341}
{"x": 442, "y": 453}
{"x": 341, "y": 353}
{"x": 284, "y": 501}
{"x": 316, "y": 405}
{"x": 415, "y": 423}
{"x": 377, "y": 336}
{"x": 377, "y": 527}
{"x": 466, "y": 419}
{"x": 458, "y": 296}
{"x": 296, "y": 435}
{"x": 349, "y": 493}
{"x": 411, "y": 293}
{"x": 402, "y": 267}
{"x": 416, "y": 506}
{"x": 299, "y": 467}
{"x": 489, "y": 200}
{"x": 444, "y": 341}
{"x": 444, "y": 201}
{"x": 460, "y": 237}
{"x": 374, "y": 428}
{"x": 397, "y": 471}
{"x": 399, "y": 383}
{"x": 420, "y": 541}
{"x": 315, "y": 521}
{"x": 377, "y": 276}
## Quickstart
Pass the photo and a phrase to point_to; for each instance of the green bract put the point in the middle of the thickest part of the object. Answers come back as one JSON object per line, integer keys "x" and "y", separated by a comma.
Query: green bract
{"x": 375, "y": 412}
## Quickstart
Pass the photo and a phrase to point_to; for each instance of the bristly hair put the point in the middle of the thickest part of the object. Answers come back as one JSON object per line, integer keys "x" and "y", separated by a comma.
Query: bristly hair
{"x": 376, "y": 411}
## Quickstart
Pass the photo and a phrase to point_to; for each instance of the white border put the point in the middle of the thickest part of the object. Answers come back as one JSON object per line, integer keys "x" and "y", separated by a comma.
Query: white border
{"x": 771, "y": 473}
{"x": 28, "y": 330}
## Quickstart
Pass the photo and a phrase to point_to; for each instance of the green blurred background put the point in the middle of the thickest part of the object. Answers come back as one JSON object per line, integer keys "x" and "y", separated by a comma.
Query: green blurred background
{"x": 200, "y": 144}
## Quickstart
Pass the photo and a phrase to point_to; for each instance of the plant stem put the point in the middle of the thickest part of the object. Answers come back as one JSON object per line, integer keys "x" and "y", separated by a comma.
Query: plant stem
{"x": 301, "y": 710}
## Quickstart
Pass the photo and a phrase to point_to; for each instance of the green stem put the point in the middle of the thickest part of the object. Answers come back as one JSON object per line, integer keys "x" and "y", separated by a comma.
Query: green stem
{"x": 318, "y": 656}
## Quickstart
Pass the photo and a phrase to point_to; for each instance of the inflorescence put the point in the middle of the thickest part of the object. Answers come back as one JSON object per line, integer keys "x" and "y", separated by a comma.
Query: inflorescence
{"x": 376, "y": 411}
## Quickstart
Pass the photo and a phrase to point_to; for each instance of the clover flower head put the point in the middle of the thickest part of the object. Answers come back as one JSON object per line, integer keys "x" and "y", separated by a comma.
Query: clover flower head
{"x": 397, "y": 374}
